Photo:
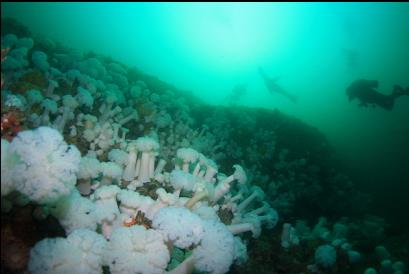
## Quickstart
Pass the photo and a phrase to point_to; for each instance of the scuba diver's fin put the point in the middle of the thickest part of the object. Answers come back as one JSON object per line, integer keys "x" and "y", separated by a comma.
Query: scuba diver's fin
{"x": 399, "y": 91}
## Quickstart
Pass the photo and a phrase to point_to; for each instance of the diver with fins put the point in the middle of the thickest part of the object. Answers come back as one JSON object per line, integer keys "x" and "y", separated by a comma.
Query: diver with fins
{"x": 365, "y": 91}
{"x": 273, "y": 87}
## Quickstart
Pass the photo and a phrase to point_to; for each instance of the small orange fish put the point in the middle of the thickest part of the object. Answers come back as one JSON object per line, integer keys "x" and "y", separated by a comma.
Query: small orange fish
{"x": 129, "y": 223}
{"x": 139, "y": 219}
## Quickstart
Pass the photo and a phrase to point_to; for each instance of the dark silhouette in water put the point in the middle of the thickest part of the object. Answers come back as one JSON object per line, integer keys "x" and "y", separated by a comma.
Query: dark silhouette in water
{"x": 236, "y": 94}
{"x": 351, "y": 58}
{"x": 272, "y": 86}
{"x": 365, "y": 91}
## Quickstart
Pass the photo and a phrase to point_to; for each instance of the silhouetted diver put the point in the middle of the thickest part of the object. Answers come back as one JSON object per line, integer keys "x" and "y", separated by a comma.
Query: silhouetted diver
{"x": 364, "y": 90}
{"x": 351, "y": 56}
{"x": 272, "y": 86}
{"x": 236, "y": 94}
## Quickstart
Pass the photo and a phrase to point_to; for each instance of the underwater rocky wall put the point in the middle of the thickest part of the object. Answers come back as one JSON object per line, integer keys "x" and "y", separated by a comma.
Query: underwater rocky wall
{"x": 98, "y": 153}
